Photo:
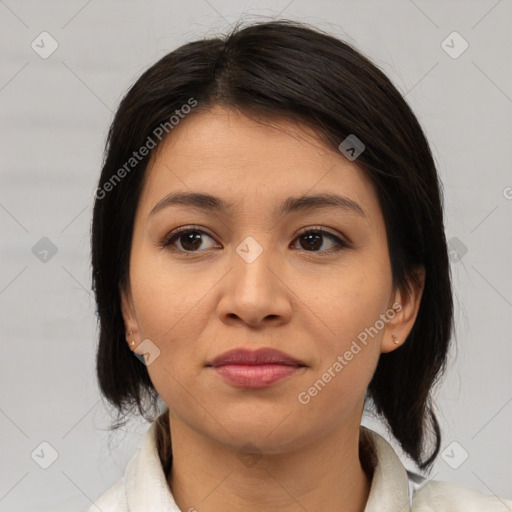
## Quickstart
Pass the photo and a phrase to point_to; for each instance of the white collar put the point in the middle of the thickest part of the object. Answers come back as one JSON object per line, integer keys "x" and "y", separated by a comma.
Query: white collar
{"x": 146, "y": 486}
{"x": 145, "y": 481}
{"x": 390, "y": 487}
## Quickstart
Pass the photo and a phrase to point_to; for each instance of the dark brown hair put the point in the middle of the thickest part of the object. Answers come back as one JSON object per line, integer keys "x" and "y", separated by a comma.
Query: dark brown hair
{"x": 289, "y": 70}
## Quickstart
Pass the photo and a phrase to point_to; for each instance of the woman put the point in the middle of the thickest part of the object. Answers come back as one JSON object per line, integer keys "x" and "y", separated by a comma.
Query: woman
{"x": 269, "y": 256}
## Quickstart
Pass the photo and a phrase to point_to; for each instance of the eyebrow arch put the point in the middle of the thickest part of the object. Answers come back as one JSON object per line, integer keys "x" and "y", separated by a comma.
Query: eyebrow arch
{"x": 207, "y": 202}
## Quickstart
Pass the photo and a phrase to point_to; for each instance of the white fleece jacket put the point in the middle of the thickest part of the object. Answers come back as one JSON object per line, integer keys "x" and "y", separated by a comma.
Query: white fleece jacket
{"x": 143, "y": 488}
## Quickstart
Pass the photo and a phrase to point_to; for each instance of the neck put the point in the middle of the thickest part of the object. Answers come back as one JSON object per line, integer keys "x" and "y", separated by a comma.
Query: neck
{"x": 324, "y": 475}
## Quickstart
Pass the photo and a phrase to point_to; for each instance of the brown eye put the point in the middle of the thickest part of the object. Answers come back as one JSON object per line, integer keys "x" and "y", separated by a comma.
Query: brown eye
{"x": 313, "y": 239}
{"x": 189, "y": 240}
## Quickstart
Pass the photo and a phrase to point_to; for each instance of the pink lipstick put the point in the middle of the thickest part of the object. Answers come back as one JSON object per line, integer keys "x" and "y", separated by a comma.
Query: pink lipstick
{"x": 255, "y": 368}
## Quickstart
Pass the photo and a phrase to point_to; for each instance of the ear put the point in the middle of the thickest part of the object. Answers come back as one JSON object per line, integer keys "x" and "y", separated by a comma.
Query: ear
{"x": 406, "y": 304}
{"x": 128, "y": 310}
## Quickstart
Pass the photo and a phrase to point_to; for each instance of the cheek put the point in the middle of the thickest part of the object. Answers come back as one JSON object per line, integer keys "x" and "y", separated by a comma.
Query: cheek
{"x": 169, "y": 301}
{"x": 336, "y": 394}
{"x": 172, "y": 309}
{"x": 348, "y": 355}
{"x": 350, "y": 303}
{"x": 351, "y": 300}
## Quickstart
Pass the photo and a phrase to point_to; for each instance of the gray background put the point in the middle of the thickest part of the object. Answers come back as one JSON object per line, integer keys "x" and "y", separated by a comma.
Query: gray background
{"x": 55, "y": 113}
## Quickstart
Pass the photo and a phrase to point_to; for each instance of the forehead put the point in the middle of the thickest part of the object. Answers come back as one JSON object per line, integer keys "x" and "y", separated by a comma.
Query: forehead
{"x": 248, "y": 161}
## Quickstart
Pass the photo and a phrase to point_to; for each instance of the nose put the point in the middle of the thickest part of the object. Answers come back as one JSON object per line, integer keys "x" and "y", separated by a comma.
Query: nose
{"x": 255, "y": 291}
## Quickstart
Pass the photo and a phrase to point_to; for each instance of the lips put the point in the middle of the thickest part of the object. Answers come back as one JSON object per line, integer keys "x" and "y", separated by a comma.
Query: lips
{"x": 261, "y": 356}
{"x": 255, "y": 368}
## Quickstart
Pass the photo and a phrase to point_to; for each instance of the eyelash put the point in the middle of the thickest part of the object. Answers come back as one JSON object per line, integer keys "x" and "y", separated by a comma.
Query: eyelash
{"x": 169, "y": 240}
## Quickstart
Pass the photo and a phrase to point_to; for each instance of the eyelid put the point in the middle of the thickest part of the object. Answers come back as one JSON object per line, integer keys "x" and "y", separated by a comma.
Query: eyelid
{"x": 184, "y": 229}
{"x": 320, "y": 229}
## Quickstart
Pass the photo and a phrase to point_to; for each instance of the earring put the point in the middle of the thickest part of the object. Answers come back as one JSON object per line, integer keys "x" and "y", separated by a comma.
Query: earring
{"x": 395, "y": 340}
{"x": 132, "y": 343}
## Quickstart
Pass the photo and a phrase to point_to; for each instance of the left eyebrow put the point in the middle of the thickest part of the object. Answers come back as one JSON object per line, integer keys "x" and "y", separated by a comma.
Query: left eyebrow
{"x": 207, "y": 202}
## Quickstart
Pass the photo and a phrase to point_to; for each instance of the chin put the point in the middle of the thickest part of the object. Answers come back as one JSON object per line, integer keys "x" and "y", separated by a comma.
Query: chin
{"x": 270, "y": 434}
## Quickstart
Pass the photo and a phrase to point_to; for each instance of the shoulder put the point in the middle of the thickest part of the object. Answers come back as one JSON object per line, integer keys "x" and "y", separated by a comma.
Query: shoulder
{"x": 112, "y": 500}
{"x": 438, "y": 496}
{"x": 393, "y": 486}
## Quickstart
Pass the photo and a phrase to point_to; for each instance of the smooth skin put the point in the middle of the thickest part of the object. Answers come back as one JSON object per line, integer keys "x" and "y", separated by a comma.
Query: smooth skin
{"x": 197, "y": 300}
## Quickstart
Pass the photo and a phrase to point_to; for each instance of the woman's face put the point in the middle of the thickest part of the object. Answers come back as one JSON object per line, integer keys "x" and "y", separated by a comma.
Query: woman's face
{"x": 247, "y": 277}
